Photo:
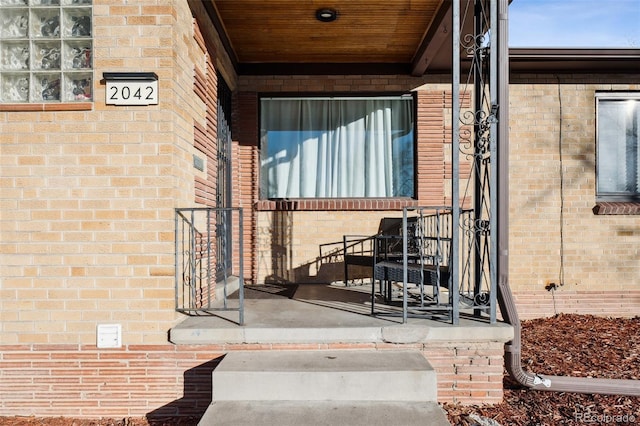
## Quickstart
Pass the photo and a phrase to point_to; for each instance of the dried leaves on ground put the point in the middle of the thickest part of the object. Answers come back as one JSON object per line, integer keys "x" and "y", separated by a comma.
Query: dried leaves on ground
{"x": 568, "y": 345}
{"x": 564, "y": 345}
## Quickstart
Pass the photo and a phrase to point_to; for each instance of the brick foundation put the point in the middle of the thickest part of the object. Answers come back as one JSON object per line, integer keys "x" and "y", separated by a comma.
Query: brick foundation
{"x": 538, "y": 304}
{"x": 159, "y": 381}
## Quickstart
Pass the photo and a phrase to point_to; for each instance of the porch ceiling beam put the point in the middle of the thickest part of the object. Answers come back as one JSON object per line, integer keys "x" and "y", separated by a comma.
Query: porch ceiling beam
{"x": 438, "y": 32}
{"x": 210, "y": 7}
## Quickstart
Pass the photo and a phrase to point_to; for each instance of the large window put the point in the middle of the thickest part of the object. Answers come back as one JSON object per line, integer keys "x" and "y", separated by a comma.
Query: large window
{"x": 45, "y": 51}
{"x": 337, "y": 147}
{"x": 618, "y": 152}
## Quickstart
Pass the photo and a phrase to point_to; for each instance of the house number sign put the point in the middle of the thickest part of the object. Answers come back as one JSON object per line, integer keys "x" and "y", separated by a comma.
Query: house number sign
{"x": 131, "y": 88}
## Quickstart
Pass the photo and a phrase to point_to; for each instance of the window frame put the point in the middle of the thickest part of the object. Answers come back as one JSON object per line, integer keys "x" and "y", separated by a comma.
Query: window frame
{"x": 342, "y": 201}
{"x": 602, "y": 196}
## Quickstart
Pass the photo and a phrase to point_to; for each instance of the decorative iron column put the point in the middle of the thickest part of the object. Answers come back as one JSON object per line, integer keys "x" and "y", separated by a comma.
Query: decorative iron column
{"x": 475, "y": 134}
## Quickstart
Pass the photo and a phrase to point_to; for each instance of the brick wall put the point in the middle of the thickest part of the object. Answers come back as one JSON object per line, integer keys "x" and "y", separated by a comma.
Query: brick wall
{"x": 158, "y": 381}
{"x": 245, "y": 186}
{"x": 89, "y": 190}
{"x": 468, "y": 374}
{"x": 555, "y": 237}
{"x": 606, "y": 303}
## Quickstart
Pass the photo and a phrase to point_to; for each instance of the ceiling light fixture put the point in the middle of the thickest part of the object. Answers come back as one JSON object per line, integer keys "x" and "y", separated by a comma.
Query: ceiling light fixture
{"x": 326, "y": 15}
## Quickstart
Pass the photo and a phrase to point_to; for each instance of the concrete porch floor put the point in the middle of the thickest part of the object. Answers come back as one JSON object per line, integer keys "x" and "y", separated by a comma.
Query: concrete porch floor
{"x": 324, "y": 313}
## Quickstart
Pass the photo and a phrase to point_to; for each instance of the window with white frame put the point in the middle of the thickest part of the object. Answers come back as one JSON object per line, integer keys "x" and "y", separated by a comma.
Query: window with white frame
{"x": 46, "y": 51}
{"x": 337, "y": 147}
{"x": 618, "y": 146}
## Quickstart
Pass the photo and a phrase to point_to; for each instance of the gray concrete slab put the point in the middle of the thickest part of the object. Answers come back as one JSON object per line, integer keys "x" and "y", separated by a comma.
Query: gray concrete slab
{"x": 279, "y": 320}
{"x": 324, "y": 375}
{"x": 324, "y": 413}
{"x": 324, "y": 314}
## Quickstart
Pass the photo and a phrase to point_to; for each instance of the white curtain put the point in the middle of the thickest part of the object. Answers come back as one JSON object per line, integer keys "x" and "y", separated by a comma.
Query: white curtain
{"x": 331, "y": 148}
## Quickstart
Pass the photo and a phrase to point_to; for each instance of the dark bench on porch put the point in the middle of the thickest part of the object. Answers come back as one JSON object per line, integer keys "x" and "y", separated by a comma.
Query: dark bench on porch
{"x": 420, "y": 268}
{"x": 424, "y": 276}
{"x": 364, "y": 250}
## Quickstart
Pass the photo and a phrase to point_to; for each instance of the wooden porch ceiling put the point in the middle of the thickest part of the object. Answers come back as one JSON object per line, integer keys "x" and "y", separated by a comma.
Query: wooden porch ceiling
{"x": 368, "y": 36}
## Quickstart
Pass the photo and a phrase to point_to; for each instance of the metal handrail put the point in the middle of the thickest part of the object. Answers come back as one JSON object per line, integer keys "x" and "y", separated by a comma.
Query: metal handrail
{"x": 204, "y": 260}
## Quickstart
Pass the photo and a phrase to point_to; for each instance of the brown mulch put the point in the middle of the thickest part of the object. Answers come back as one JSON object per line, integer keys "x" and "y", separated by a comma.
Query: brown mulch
{"x": 568, "y": 345}
{"x": 564, "y": 345}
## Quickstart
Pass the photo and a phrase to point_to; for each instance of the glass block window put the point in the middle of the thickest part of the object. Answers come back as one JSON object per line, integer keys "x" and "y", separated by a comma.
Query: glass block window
{"x": 46, "y": 51}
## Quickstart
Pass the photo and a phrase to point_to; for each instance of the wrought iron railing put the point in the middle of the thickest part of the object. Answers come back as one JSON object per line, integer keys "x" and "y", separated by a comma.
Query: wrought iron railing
{"x": 204, "y": 279}
{"x": 421, "y": 257}
{"x": 432, "y": 259}
{"x": 433, "y": 239}
{"x": 430, "y": 241}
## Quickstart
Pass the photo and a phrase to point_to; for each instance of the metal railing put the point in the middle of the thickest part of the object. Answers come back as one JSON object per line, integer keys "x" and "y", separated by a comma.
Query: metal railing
{"x": 461, "y": 247}
{"x": 205, "y": 241}
{"x": 430, "y": 241}
{"x": 429, "y": 261}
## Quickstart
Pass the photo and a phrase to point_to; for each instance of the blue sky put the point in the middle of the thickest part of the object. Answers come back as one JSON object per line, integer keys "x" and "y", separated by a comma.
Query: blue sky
{"x": 574, "y": 23}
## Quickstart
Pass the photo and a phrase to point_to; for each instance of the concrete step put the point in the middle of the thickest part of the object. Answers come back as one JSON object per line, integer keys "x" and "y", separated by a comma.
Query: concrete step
{"x": 324, "y": 413}
{"x": 348, "y": 375}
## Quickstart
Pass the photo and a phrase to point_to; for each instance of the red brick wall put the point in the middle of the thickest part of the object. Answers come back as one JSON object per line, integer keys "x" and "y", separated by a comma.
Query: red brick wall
{"x": 245, "y": 182}
{"x": 79, "y": 380}
{"x": 206, "y": 133}
{"x": 158, "y": 381}
{"x": 431, "y": 138}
